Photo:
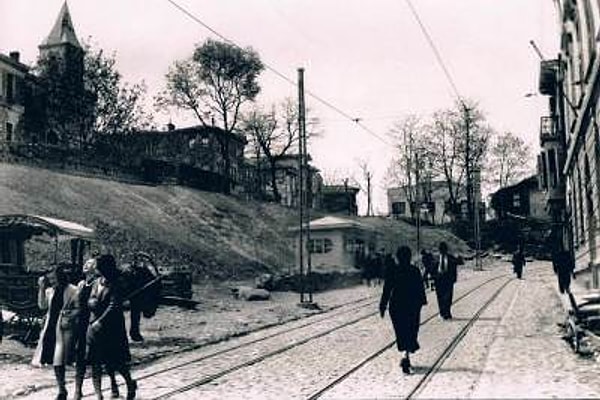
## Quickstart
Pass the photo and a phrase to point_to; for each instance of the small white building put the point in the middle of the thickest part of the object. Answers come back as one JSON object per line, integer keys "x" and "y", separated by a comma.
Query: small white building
{"x": 433, "y": 209}
{"x": 335, "y": 243}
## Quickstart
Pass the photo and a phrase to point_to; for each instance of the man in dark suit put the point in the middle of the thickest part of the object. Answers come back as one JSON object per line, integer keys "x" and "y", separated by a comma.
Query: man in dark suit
{"x": 445, "y": 279}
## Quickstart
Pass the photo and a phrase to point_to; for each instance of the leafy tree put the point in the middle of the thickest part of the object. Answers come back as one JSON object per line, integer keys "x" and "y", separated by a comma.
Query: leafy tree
{"x": 119, "y": 106}
{"x": 509, "y": 160}
{"x": 218, "y": 80}
{"x": 62, "y": 107}
{"x": 74, "y": 108}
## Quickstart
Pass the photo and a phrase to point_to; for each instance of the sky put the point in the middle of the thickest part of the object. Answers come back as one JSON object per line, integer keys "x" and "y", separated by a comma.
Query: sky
{"x": 367, "y": 58}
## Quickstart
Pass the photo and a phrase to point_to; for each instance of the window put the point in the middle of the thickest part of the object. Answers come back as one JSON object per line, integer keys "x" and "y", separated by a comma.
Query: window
{"x": 399, "y": 208}
{"x": 354, "y": 245}
{"x": 544, "y": 172}
{"x": 9, "y": 80}
{"x": 517, "y": 200}
{"x": 320, "y": 246}
{"x": 9, "y": 131}
{"x": 580, "y": 205}
{"x": 553, "y": 171}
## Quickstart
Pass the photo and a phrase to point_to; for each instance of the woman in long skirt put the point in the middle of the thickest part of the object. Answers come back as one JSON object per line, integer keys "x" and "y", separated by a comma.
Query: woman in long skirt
{"x": 404, "y": 292}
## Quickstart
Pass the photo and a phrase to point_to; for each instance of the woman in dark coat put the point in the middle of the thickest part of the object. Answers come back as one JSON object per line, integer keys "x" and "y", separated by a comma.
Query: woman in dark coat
{"x": 403, "y": 290}
{"x": 107, "y": 343}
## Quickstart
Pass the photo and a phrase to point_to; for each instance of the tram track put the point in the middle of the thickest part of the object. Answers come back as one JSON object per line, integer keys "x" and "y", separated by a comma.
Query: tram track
{"x": 339, "y": 310}
{"x": 439, "y": 360}
{"x": 294, "y": 344}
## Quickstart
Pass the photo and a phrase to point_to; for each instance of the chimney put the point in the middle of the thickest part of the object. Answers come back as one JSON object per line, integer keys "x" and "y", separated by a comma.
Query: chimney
{"x": 14, "y": 55}
{"x": 170, "y": 126}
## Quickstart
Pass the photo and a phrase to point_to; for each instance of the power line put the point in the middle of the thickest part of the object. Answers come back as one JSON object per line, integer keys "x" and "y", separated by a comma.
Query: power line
{"x": 436, "y": 52}
{"x": 281, "y": 75}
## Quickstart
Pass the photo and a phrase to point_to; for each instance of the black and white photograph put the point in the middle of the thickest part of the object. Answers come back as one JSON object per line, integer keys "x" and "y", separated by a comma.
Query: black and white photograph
{"x": 299, "y": 199}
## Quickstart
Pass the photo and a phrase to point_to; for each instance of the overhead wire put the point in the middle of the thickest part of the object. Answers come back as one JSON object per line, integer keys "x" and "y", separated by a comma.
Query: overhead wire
{"x": 436, "y": 52}
{"x": 328, "y": 104}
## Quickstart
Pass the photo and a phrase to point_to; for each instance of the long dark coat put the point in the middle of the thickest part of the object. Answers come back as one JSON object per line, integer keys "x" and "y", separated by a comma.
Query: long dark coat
{"x": 106, "y": 335}
{"x": 404, "y": 291}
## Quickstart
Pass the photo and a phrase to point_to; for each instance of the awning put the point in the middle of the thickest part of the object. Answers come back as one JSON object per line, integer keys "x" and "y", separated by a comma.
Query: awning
{"x": 36, "y": 225}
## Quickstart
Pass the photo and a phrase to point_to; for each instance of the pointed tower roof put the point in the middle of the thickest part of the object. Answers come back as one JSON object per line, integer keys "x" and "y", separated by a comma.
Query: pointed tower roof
{"x": 63, "y": 31}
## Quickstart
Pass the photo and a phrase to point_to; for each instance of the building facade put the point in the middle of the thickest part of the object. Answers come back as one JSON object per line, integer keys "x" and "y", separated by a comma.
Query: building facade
{"x": 433, "y": 209}
{"x": 13, "y": 75}
{"x": 523, "y": 199}
{"x": 339, "y": 199}
{"x": 286, "y": 170}
{"x": 336, "y": 244}
{"x": 569, "y": 164}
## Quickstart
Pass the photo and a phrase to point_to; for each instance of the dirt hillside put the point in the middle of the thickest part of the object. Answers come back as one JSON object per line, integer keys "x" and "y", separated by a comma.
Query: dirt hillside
{"x": 219, "y": 236}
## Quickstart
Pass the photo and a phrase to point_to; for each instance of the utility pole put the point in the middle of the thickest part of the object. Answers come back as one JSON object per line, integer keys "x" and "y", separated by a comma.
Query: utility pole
{"x": 369, "y": 201}
{"x": 305, "y": 195}
{"x": 469, "y": 181}
{"x": 301, "y": 180}
{"x": 477, "y": 233}
{"x": 418, "y": 202}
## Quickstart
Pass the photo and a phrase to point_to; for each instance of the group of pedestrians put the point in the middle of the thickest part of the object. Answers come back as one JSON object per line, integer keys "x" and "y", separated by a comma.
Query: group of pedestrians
{"x": 372, "y": 266}
{"x": 404, "y": 294}
{"x": 85, "y": 325}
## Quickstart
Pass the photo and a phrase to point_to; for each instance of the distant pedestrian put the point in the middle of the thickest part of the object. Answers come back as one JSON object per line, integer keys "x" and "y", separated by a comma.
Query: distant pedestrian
{"x": 403, "y": 290}
{"x": 107, "y": 343}
{"x": 56, "y": 345}
{"x": 518, "y": 262}
{"x": 428, "y": 268}
{"x": 563, "y": 266}
{"x": 445, "y": 278}
{"x": 379, "y": 271}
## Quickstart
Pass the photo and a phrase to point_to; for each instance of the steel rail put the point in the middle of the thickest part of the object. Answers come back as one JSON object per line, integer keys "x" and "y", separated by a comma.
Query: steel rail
{"x": 283, "y": 349}
{"x": 447, "y": 351}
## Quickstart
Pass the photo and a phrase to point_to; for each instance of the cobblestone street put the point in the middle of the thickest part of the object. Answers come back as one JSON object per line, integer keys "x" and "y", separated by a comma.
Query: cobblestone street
{"x": 514, "y": 349}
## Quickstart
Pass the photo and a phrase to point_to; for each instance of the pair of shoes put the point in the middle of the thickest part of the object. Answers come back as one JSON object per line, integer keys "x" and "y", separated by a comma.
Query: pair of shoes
{"x": 136, "y": 336}
{"x": 62, "y": 396}
{"x": 405, "y": 365}
{"x": 131, "y": 390}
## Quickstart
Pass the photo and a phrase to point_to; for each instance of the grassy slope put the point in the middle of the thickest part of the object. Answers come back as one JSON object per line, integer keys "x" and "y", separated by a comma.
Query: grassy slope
{"x": 219, "y": 235}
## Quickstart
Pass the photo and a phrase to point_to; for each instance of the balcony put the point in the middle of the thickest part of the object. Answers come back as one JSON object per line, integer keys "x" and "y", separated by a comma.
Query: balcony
{"x": 548, "y": 77}
{"x": 547, "y": 129}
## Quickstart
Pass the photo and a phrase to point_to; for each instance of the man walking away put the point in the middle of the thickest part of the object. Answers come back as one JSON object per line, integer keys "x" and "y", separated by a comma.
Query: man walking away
{"x": 563, "y": 266}
{"x": 518, "y": 262}
{"x": 445, "y": 278}
{"x": 428, "y": 268}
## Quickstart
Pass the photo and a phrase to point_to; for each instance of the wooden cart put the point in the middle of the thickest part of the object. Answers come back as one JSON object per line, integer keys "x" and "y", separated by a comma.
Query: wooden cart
{"x": 18, "y": 276}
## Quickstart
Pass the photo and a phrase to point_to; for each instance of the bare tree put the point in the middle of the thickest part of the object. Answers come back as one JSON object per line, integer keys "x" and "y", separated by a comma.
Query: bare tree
{"x": 509, "y": 160}
{"x": 366, "y": 183}
{"x": 412, "y": 167}
{"x": 456, "y": 141}
{"x": 274, "y": 134}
